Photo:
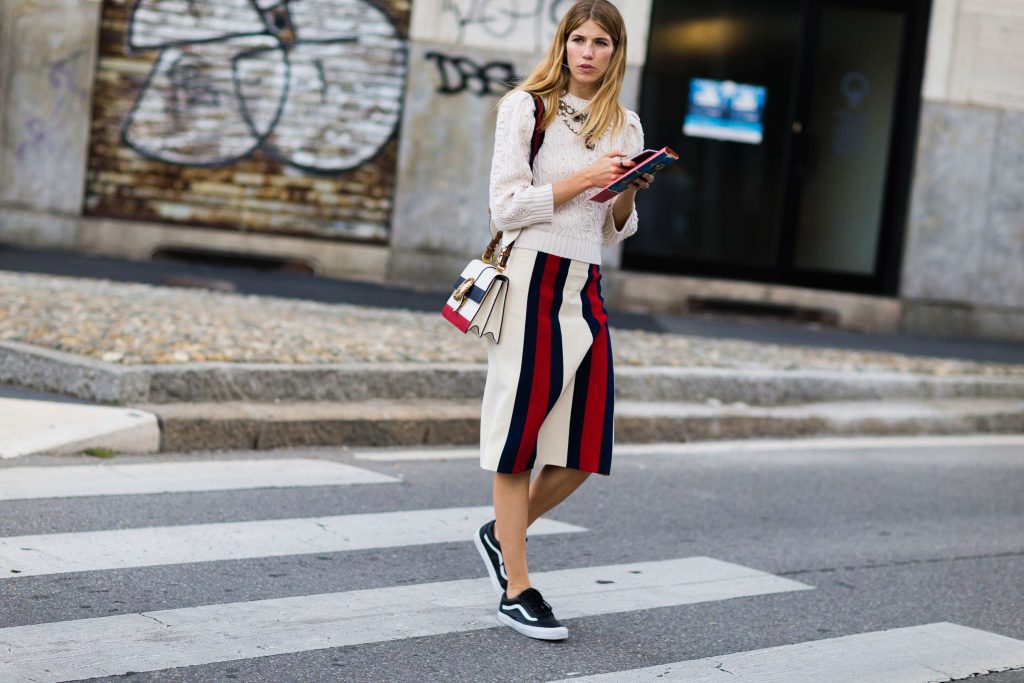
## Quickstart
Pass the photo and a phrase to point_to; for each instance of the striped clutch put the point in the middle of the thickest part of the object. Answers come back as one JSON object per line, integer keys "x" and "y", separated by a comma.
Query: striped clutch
{"x": 477, "y": 303}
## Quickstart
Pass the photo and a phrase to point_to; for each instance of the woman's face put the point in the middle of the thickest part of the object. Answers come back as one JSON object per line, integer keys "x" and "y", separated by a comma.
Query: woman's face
{"x": 588, "y": 52}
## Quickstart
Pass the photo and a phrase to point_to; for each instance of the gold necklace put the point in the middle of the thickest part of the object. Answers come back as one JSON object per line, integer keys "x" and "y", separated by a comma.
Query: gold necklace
{"x": 570, "y": 115}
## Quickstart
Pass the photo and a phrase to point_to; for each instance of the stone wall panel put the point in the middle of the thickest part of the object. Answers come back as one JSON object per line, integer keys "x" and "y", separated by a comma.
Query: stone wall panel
{"x": 987, "y": 63}
{"x": 947, "y": 229}
{"x": 515, "y": 26}
{"x": 47, "y": 56}
{"x": 1002, "y": 279}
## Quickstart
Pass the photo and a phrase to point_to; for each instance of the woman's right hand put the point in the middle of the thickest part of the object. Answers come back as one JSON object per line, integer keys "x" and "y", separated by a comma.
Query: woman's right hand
{"x": 606, "y": 169}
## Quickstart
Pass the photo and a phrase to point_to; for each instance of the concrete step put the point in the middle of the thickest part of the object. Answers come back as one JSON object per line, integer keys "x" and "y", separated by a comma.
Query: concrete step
{"x": 93, "y": 380}
{"x": 245, "y": 425}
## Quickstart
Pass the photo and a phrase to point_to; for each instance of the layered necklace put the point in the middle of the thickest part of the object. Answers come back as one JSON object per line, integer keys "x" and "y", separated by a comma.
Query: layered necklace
{"x": 574, "y": 120}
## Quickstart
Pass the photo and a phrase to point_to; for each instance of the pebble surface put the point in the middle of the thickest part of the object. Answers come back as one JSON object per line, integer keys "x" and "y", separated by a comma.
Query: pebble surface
{"x": 133, "y": 324}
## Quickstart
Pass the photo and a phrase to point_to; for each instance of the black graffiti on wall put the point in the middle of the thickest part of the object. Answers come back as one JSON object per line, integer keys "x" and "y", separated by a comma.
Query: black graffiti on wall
{"x": 502, "y": 18}
{"x": 459, "y": 74}
{"x": 315, "y": 84}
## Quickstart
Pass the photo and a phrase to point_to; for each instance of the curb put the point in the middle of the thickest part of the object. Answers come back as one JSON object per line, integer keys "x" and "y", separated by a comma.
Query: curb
{"x": 258, "y": 406}
{"x": 92, "y": 380}
{"x": 191, "y": 427}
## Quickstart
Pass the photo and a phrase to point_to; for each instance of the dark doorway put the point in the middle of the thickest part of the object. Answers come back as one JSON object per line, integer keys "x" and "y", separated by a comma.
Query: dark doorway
{"x": 799, "y": 119}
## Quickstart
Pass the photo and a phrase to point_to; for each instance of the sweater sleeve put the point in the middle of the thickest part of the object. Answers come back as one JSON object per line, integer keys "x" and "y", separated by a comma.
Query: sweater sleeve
{"x": 515, "y": 201}
{"x": 632, "y": 143}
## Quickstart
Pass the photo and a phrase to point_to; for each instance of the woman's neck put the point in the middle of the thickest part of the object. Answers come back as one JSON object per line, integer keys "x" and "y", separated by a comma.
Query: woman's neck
{"x": 584, "y": 92}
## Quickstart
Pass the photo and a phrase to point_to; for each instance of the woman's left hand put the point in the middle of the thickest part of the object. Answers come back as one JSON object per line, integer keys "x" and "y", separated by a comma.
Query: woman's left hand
{"x": 643, "y": 182}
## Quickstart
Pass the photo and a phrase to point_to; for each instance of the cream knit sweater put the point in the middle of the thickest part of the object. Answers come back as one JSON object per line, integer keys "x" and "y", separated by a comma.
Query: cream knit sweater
{"x": 522, "y": 197}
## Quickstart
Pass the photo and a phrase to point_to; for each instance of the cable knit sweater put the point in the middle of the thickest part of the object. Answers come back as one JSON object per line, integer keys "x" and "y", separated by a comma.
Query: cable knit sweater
{"x": 522, "y": 197}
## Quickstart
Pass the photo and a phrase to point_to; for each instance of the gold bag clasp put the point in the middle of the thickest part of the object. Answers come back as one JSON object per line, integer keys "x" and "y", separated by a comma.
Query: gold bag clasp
{"x": 462, "y": 290}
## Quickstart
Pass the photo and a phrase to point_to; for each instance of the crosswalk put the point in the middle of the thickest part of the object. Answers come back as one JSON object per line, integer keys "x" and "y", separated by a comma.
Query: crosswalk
{"x": 207, "y": 634}
{"x": 71, "y": 481}
{"x": 930, "y": 652}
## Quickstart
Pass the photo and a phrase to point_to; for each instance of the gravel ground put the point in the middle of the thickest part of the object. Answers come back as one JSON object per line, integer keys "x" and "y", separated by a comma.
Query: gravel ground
{"x": 133, "y": 324}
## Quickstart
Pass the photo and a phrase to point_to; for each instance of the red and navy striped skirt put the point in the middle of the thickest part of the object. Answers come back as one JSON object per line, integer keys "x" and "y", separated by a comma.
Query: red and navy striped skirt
{"x": 550, "y": 394}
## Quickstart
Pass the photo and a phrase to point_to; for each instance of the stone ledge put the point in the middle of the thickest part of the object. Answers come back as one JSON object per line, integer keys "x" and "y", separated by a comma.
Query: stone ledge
{"x": 37, "y": 368}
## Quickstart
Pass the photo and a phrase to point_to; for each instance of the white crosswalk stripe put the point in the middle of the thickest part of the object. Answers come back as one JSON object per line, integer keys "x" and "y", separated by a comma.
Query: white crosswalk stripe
{"x": 427, "y": 454}
{"x": 25, "y": 483}
{"x": 216, "y": 633}
{"x": 918, "y": 654}
{"x": 22, "y": 556}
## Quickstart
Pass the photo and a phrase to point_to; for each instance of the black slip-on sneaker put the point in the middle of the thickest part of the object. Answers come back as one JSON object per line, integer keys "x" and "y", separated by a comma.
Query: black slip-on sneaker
{"x": 490, "y": 550}
{"x": 531, "y": 616}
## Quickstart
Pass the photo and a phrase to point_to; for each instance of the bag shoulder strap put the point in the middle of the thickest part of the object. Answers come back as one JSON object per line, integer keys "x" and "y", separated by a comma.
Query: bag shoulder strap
{"x": 538, "y": 133}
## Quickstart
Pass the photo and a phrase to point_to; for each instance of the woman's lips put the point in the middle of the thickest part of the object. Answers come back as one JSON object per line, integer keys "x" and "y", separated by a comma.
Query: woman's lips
{"x": 585, "y": 67}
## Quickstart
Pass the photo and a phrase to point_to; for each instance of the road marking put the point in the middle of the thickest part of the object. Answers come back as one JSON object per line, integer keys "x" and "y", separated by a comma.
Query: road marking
{"x": 108, "y": 479}
{"x": 825, "y": 444}
{"x": 153, "y": 641}
{"x": 744, "y": 446}
{"x": 403, "y": 455}
{"x": 918, "y": 654}
{"x": 150, "y": 546}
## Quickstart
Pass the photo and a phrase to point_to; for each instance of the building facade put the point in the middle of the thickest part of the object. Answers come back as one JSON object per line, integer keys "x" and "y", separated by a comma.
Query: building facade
{"x": 859, "y": 162}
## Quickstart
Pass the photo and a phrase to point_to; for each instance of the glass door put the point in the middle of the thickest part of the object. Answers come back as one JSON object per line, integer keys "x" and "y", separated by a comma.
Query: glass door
{"x": 722, "y": 203}
{"x": 795, "y": 127}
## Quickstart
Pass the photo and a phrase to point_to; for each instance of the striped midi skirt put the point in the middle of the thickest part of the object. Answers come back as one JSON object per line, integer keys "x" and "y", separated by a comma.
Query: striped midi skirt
{"x": 550, "y": 395}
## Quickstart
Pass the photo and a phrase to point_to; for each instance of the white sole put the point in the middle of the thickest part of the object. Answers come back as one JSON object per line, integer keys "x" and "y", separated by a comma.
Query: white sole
{"x": 487, "y": 563}
{"x": 560, "y": 633}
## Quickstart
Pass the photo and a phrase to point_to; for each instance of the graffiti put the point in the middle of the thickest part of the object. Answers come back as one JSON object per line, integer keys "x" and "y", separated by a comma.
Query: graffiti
{"x": 191, "y": 88}
{"x": 36, "y": 136}
{"x": 63, "y": 78}
{"x": 67, "y": 91}
{"x": 458, "y": 73}
{"x": 480, "y": 21}
{"x": 314, "y": 84}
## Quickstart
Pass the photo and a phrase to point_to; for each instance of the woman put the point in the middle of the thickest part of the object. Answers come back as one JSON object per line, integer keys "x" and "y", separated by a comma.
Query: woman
{"x": 548, "y": 401}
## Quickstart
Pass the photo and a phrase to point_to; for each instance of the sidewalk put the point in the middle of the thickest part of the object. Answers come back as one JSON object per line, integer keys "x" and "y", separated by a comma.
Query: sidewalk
{"x": 333, "y": 291}
{"x": 46, "y": 426}
{"x": 224, "y": 369}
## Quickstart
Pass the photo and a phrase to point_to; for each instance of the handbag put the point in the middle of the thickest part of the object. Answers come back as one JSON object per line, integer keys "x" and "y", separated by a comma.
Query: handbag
{"x": 477, "y": 301}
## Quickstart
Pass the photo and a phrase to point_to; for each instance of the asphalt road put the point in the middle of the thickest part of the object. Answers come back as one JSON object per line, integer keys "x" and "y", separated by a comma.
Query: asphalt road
{"x": 880, "y": 538}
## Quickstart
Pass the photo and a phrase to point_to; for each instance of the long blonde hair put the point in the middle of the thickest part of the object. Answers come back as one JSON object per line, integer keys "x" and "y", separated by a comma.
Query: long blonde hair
{"x": 550, "y": 78}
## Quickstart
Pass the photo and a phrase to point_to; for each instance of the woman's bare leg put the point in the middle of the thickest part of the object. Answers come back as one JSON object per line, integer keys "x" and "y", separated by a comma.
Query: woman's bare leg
{"x": 518, "y": 503}
{"x": 550, "y": 487}
{"x": 511, "y": 514}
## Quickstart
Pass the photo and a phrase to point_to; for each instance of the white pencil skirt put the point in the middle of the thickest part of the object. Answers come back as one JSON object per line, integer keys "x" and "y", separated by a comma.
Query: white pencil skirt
{"x": 550, "y": 394}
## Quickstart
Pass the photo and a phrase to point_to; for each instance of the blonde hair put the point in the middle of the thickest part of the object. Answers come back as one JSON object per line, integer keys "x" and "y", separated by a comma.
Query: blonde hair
{"x": 550, "y": 78}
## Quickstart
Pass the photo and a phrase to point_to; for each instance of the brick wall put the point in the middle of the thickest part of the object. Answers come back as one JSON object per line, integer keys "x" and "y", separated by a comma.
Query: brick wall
{"x": 249, "y": 114}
